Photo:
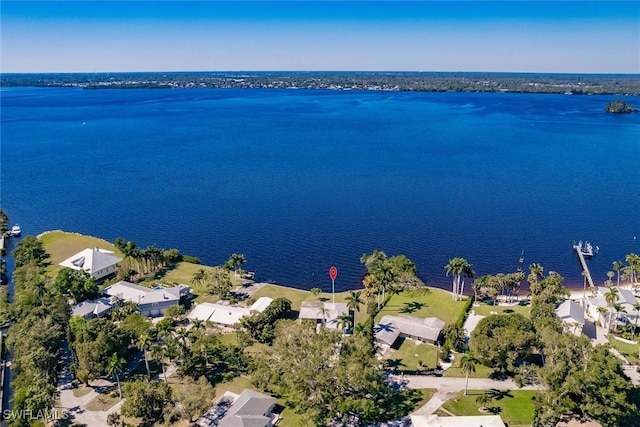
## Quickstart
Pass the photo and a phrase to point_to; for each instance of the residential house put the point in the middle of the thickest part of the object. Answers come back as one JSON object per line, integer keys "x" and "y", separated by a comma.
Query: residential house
{"x": 323, "y": 312}
{"x": 572, "y": 316}
{"x": 598, "y": 308}
{"x": 99, "y": 263}
{"x": 92, "y": 308}
{"x": 391, "y": 327}
{"x": 151, "y": 302}
{"x": 466, "y": 421}
{"x": 250, "y": 409}
{"x": 227, "y": 315}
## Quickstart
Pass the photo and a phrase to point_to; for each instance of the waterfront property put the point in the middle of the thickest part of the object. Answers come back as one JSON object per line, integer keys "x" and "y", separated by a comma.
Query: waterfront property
{"x": 572, "y": 316}
{"x": 98, "y": 263}
{"x": 151, "y": 302}
{"x": 391, "y": 327}
{"x": 91, "y": 309}
{"x": 323, "y": 312}
{"x": 598, "y": 308}
{"x": 226, "y": 315}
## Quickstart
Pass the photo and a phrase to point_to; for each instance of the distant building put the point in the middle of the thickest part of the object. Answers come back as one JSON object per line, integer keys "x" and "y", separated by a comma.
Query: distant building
{"x": 391, "y": 327}
{"x": 91, "y": 309}
{"x": 572, "y": 316}
{"x": 99, "y": 263}
{"x": 151, "y": 302}
{"x": 250, "y": 409}
{"x": 323, "y": 312}
{"x": 226, "y": 315}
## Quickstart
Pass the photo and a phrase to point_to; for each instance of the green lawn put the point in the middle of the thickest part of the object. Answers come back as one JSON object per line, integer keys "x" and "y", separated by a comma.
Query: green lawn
{"x": 485, "y": 309}
{"x": 409, "y": 353}
{"x": 455, "y": 371}
{"x": 437, "y": 303}
{"x": 629, "y": 351}
{"x": 515, "y": 406}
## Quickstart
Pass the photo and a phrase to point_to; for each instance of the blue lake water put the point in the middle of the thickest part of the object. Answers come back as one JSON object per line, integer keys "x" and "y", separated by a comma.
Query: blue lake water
{"x": 299, "y": 180}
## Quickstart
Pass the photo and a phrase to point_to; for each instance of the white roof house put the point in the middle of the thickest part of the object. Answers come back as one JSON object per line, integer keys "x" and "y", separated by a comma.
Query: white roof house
{"x": 468, "y": 421}
{"x": 323, "y": 311}
{"x": 391, "y": 327}
{"x": 250, "y": 409}
{"x": 227, "y": 315}
{"x": 92, "y": 308}
{"x": 151, "y": 302}
{"x": 99, "y": 263}
{"x": 625, "y": 298}
{"x": 571, "y": 315}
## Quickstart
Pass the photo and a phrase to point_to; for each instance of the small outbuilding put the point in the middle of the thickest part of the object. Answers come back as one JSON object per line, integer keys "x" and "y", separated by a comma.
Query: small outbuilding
{"x": 323, "y": 312}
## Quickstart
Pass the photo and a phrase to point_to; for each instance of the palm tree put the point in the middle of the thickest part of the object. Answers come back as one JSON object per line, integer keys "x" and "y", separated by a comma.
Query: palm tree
{"x": 634, "y": 262}
{"x": 315, "y": 292}
{"x": 197, "y": 325}
{"x": 235, "y": 261}
{"x": 468, "y": 365}
{"x": 115, "y": 366}
{"x": 158, "y": 353}
{"x": 611, "y": 298}
{"x": 323, "y": 312}
{"x": 483, "y": 400}
{"x": 199, "y": 277}
{"x": 459, "y": 267}
{"x": 345, "y": 321}
{"x": 617, "y": 266}
{"x": 143, "y": 343}
{"x": 619, "y": 309}
{"x": 354, "y": 301}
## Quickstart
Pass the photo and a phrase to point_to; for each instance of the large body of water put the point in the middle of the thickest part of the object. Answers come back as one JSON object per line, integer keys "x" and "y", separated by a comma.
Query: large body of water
{"x": 299, "y": 180}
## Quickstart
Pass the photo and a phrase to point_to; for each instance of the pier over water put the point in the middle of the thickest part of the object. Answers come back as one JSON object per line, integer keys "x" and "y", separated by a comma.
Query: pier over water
{"x": 583, "y": 262}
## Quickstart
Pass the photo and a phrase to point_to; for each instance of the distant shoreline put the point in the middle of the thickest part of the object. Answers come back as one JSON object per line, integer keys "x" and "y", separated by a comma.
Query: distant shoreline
{"x": 569, "y": 84}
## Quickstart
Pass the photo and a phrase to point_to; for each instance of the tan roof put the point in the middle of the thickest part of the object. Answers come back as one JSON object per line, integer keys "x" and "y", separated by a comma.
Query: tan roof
{"x": 389, "y": 327}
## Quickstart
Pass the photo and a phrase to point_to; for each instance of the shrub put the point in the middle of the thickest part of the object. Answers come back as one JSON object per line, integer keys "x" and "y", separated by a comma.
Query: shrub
{"x": 191, "y": 259}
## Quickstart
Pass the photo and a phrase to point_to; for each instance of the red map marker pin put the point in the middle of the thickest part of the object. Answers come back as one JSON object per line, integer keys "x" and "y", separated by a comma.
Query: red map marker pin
{"x": 333, "y": 273}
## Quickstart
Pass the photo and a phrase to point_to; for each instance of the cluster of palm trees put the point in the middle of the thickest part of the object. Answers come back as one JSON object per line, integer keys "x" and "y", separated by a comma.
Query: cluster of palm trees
{"x": 145, "y": 260}
{"x": 499, "y": 284}
{"x": 630, "y": 272}
{"x": 460, "y": 269}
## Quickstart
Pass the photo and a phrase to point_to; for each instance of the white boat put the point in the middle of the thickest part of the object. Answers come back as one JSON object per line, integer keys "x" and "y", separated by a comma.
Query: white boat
{"x": 15, "y": 230}
{"x": 585, "y": 249}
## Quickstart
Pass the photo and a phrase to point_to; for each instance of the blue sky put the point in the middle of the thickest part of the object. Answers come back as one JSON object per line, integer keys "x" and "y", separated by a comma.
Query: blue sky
{"x": 519, "y": 36}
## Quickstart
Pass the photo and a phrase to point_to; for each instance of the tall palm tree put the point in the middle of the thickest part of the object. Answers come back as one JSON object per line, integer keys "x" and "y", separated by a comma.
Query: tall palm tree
{"x": 143, "y": 343}
{"x": 199, "y": 277}
{"x": 323, "y": 312}
{"x": 618, "y": 309}
{"x": 611, "y": 298}
{"x": 115, "y": 366}
{"x": 345, "y": 321}
{"x": 235, "y": 261}
{"x": 468, "y": 365}
{"x": 634, "y": 262}
{"x": 617, "y": 266}
{"x": 459, "y": 267}
{"x": 354, "y": 301}
{"x": 158, "y": 354}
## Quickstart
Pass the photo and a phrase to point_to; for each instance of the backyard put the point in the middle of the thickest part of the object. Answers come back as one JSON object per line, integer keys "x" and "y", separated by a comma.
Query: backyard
{"x": 514, "y": 406}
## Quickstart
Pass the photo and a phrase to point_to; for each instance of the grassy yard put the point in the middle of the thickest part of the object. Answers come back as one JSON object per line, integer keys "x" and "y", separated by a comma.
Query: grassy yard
{"x": 437, "y": 303}
{"x": 629, "y": 351}
{"x": 81, "y": 390}
{"x": 406, "y": 354}
{"x": 514, "y": 406}
{"x": 455, "y": 370}
{"x": 61, "y": 245}
{"x": 485, "y": 309}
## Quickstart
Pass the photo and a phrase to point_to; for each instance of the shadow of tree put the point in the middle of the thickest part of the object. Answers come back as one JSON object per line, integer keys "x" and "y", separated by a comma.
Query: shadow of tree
{"x": 411, "y": 307}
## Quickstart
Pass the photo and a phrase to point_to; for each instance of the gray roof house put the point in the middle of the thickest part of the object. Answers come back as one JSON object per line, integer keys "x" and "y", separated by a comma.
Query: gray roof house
{"x": 250, "y": 409}
{"x": 314, "y": 311}
{"x": 571, "y": 315}
{"x": 391, "y": 327}
{"x": 151, "y": 302}
{"x": 92, "y": 308}
{"x": 99, "y": 263}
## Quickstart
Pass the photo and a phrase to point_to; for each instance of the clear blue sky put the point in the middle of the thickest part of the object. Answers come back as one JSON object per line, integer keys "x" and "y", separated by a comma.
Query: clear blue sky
{"x": 538, "y": 36}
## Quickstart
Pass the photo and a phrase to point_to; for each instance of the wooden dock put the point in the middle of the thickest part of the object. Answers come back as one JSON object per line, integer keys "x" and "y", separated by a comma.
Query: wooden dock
{"x": 583, "y": 263}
